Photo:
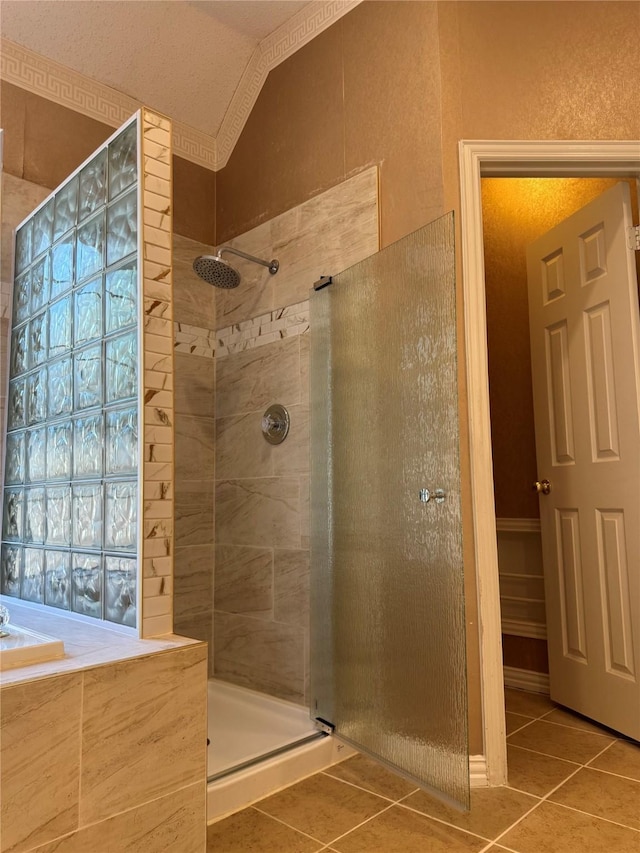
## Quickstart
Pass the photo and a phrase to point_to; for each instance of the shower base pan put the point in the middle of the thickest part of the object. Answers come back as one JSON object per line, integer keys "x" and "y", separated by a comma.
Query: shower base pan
{"x": 258, "y": 745}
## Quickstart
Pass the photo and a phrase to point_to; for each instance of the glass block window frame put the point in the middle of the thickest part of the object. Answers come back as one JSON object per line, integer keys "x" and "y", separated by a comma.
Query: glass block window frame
{"x": 91, "y": 373}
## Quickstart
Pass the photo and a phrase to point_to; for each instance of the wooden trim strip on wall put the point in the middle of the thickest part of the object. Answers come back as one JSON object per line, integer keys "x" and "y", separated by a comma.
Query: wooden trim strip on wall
{"x": 518, "y": 525}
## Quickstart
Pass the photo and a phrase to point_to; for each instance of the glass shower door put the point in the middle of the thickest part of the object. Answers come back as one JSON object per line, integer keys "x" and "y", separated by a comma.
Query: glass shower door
{"x": 388, "y": 667}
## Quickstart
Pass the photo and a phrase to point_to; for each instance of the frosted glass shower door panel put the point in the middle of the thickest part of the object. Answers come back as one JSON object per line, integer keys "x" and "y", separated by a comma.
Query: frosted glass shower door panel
{"x": 388, "y": 666}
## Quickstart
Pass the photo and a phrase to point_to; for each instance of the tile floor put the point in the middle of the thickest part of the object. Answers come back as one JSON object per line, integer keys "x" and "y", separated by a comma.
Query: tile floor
{"x": 574, "y": 787}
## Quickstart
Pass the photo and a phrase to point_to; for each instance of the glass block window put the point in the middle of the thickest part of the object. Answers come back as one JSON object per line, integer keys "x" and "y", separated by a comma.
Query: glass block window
{"x": 72, "y": 478}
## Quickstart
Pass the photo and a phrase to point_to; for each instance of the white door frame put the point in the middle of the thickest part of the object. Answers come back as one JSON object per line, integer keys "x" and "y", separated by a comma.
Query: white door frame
{"x": 504, "y": 158}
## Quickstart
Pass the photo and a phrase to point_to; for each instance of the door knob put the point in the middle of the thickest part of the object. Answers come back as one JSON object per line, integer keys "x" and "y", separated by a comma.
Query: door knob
{"x": 542, "y": 487}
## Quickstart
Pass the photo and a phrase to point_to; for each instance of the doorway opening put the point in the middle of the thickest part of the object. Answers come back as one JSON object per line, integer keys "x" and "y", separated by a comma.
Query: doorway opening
{"x": 521, "y": 160}
{"x": 517, "y": 212}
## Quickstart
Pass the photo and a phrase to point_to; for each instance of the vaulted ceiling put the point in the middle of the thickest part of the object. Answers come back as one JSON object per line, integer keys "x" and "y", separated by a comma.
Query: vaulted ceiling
{"x": 197, "y": 61}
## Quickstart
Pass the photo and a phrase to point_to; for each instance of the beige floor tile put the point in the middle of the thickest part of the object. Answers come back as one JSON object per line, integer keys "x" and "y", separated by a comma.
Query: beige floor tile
{"x": 516, "y": 721}
{"x": 529, "y": 704}
{"x": 554, "y": 829}
{"x": 492, "y": 810}
{"x": 536, "y": 773}
{"x": 623, "y": 758}
{"x": 565, "y": 717}
{"x": 322, "y": 807}
{"x": 602, "y": 795}
{"x": 560, "y": 741}
{"x": 250, "y": 830}
{"x": 399, "y": 830}
{"x": 368, "y": 774}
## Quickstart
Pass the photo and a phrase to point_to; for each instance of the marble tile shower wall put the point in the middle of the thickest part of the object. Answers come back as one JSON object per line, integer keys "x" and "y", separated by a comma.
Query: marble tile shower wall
{"x": 261, "y": 594}
{"x": 194, "y": 374}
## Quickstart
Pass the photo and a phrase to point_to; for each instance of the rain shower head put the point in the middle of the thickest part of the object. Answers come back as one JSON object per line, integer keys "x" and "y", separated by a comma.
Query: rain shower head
{"x": 216, "y": 271}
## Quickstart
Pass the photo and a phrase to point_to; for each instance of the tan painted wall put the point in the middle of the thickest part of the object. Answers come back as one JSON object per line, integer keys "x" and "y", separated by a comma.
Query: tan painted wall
{"x": 44, "y": 142}
{"x": 398, "y": 84}
{"x": 365, "y": 91}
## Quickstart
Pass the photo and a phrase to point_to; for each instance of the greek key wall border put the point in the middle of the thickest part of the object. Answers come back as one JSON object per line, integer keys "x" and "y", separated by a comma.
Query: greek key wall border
{"x": 60, "y": 84}
{"x": 56, "y": 82}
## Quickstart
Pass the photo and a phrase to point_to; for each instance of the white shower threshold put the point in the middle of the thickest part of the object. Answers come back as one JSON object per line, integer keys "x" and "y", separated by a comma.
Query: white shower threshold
{"x": 244, "y": 725}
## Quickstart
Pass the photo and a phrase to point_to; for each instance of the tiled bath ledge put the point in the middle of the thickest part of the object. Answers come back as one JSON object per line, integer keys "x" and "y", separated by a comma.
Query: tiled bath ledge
{"x": 105, "y": 749}
{"x": 85, "y": 645}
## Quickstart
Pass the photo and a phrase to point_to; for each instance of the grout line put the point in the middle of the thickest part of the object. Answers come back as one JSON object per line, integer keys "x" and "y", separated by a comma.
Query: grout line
{"x": 531, "y": 810}
{"x": 523, "y": 726}
{"x": 361, "y": 824}
{"x": 359, "y": 787}
{"x": 490, "y": 847}
{"x": 576, "y": 728}
{"x": 594, "y": 816}
{"x": 283, "y": 822}
{"x": 546, "y": 797}
{"x": 446, "y": 823}
{"x": 548, "y": 754}
{"x": 571, "y": 728}
{"x": 610, "y": 772}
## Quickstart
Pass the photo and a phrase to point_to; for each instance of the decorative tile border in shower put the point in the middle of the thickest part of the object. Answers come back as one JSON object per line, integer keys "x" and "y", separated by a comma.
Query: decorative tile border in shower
{"x": 194, "y": 340}
{"x": 281, "y": 323}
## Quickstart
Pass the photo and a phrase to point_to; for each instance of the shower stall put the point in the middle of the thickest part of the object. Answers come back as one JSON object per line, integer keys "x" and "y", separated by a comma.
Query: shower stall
{"x": 379, "y": 607}
{"x": 324, "y": 570}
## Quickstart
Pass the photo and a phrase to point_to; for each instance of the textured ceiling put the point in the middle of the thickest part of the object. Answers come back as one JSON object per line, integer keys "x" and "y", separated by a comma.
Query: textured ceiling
{"x": 184, "y": 58}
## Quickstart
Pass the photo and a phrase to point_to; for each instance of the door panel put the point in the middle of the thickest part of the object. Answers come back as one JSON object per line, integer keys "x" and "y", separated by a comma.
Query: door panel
{"x": 559, "y": 385}
{"x": 388, "y": 631}
{"x": 585, "y": 331}
{"x": 614, "y": 574}
{"x": 571, "y": 587}
{"x": 603, "y": 405}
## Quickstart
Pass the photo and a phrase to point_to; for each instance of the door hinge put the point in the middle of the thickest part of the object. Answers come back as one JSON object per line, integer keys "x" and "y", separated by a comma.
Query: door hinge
{"x": 324, "y": 726}
{"x": 633, "y": 238}
{"x": 323, "y": 281}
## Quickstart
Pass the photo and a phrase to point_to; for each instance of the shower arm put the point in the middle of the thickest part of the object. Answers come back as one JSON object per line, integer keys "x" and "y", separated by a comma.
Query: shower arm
{"x": 272, "y": 265}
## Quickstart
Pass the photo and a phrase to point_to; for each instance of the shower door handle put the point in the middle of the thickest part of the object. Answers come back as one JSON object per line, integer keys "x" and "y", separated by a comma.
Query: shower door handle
{"x": 438, "y": 495}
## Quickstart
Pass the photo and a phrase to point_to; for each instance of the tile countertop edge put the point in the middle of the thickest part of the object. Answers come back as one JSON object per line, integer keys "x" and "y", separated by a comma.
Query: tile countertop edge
{"x": 86, "y": 646}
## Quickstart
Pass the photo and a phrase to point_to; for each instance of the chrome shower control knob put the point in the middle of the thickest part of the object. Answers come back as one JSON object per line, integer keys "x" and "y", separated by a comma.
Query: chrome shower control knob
{"x": 275, "y": 424}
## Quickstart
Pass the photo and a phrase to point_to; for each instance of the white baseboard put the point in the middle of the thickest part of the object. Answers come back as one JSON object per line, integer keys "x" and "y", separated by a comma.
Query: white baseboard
{"x": 518, "y": 525}
{"x": 526, "y": 679}
{"x": 519, "y": 628}
{"x": 478, "y": 771}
